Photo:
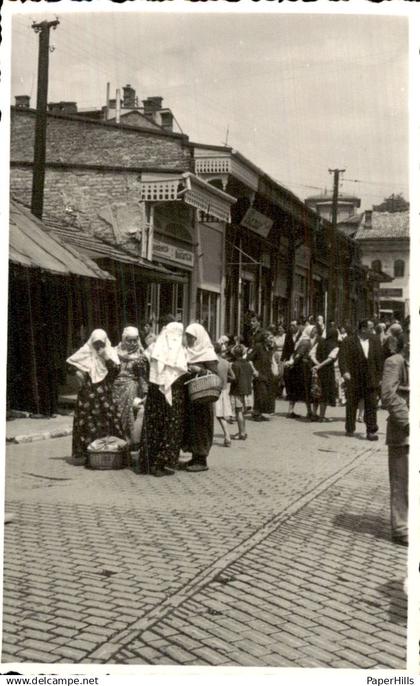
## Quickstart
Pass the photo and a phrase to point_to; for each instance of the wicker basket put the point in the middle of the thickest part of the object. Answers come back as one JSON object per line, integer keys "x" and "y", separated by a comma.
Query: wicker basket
{"x": 108, "y": 459}
{"x": 204, "y": 389}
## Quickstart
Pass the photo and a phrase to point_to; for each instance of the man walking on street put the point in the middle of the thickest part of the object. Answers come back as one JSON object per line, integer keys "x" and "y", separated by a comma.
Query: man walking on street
{"x": 360, "y": 361}
{"x": 395, "y": 399}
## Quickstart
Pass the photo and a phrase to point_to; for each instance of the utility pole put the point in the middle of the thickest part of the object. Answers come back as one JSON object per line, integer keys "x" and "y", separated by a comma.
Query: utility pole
{"x": 38, "y": 173}
{"x": 332, "y": 299}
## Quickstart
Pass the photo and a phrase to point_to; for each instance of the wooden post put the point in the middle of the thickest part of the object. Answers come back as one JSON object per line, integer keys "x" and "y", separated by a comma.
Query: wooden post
{"x": 40, "y": 143}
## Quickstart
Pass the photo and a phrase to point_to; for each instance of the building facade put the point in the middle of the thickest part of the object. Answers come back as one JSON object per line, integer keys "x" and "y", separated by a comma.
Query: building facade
{"x": 195, "y": 230}
{"x": 322, "y": 204}
{"x": 384, "y": 239}
{"x": 131, "y": 189}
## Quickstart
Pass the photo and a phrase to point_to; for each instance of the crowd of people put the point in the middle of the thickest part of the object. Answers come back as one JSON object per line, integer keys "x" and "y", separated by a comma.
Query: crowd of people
{"x": 138, "y": 390}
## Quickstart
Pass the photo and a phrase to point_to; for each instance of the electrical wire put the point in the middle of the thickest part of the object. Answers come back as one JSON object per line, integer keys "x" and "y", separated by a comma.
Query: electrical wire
{"x": 80, "y": 48}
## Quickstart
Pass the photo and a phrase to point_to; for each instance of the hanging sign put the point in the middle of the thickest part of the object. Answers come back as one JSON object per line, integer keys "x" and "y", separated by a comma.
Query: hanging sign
{"x": 391, "y": 292}
{"x": 173, "y": 253}
{"x": 257, "y": 222}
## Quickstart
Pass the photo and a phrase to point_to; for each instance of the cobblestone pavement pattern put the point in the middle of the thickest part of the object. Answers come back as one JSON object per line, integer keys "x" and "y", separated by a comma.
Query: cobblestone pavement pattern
{"x": 279, "y": 555}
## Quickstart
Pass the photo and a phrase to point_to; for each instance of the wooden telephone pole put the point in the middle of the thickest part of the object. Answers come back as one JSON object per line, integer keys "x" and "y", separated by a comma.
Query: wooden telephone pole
{"x": 38, "y": 172}
{"x": 334, "y": 257}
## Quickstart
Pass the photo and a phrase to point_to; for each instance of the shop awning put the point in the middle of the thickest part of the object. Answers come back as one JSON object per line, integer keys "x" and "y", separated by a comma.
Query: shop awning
{"x": 188, "y": 188}
{"x": 32, "y": 244}
{"x": 97, "y": 249}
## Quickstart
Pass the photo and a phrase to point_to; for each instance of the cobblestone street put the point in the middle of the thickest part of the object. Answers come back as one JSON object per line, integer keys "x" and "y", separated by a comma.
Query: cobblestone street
{"x": 279, "y": 555}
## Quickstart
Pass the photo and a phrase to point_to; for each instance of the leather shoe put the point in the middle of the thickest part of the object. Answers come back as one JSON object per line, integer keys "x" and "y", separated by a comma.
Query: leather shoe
{"x": 160, "y": 471}
{"x": 372, "y": 437}
{"x": 197, "y": 467}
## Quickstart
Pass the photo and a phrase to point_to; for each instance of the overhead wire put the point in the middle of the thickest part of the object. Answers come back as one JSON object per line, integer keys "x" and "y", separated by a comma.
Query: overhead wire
{"x": 215, "y": 106}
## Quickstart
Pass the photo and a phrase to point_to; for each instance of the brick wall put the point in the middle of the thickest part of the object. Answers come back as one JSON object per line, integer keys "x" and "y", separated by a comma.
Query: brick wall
{"x": 91, "y": 200}
{"x": 90, "y": 142}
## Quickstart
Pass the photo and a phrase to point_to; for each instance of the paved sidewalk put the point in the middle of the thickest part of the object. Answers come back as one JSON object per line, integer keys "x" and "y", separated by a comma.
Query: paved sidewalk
{"x": 279, "y": 555}
{"x": 29, "y": 430}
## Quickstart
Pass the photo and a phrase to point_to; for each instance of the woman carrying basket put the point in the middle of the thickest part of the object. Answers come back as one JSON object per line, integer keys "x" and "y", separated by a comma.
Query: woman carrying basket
{"x": 164, "y": 413}
{"x": 199, "y": 426}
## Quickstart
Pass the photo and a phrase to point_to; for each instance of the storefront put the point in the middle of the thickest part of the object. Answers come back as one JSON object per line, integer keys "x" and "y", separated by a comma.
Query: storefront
{"x": 188, "y": 228}
{"x": 249, "y": 272}
{"x": 210, "y": 276}
{"x": 280, "y": 281}
{"x": 171, "y": 297}
{"x": 301, "y": 298}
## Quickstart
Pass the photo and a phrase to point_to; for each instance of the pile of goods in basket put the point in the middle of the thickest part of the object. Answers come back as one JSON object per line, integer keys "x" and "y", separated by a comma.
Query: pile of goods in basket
{"x": 109, "y": 452}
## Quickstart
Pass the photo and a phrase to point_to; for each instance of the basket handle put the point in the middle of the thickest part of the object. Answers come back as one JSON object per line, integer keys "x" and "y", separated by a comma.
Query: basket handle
{"x": 208, "y": 373}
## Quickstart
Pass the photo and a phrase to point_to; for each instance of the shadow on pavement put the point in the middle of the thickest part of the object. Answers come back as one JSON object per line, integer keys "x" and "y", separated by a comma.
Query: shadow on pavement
{"x": 332, "y": 434}
{"x": 394, "y": 591}
{"x": 375, "y": 526}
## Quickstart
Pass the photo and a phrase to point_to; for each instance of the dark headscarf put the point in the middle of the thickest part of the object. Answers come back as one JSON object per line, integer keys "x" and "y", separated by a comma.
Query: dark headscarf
{"x": 325, "y": 346}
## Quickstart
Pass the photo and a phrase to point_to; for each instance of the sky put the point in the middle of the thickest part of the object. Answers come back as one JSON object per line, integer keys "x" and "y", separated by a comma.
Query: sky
{"x": 295, "y": 94}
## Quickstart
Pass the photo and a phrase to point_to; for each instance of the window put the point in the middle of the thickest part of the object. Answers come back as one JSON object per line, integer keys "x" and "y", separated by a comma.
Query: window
{"x": 399, "y": 268}
{"x": 377, "y": 265}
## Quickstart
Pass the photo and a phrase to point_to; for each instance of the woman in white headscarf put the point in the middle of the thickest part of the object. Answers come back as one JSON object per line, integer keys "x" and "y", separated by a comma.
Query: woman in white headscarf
{"x": 131, "y": 382}
{"x": 198, "y": 437}
{"x": 96, "y": 365}
{"x": 164, "y": 414}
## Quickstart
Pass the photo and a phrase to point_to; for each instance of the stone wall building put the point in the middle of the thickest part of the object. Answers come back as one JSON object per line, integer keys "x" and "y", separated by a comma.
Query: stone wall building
{"x": 384, "y": 239}
{"x": 195, "y": 230}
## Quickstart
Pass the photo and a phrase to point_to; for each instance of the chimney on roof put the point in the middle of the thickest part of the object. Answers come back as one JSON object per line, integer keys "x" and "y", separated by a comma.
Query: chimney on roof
{"x": 63, "y": 107}
{"x": 167, "y": 120}
{"x": 23, "y": 102}
{"x": 152, "y": 105}
{"x": 368, "y": 219}
{"x": 129, "y": 98}
{"x": 162, "y": 116}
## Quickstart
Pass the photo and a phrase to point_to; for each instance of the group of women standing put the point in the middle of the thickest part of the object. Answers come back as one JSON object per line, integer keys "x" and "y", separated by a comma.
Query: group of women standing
{"x": 310, "y": 354}
{"x": 116, "y": 384}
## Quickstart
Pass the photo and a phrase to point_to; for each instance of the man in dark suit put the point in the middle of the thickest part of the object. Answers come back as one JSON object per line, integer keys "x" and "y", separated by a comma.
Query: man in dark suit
{"x": 360, "y": 360}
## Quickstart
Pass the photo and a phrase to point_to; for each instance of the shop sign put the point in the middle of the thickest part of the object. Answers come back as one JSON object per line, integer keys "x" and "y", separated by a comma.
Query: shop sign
{"x": 257, "y": 222}
{"x": 391, "y": 292}
{"x": 173, "y": 253}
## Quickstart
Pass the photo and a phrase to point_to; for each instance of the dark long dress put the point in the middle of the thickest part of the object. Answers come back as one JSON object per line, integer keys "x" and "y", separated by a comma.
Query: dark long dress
{"x": 327, "y": 374}
{"x": 163, "y": 427}
{"x": 96, "y": 414}
{"x": 199, "y": 424}
{"x": 264, "y": 389}
{"x": 298, "y": 376}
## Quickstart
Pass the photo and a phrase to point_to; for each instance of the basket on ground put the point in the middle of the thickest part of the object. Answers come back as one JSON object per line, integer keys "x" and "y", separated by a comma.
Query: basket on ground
{"x": 107, "y": 453}
{"x": 204, "y": 389}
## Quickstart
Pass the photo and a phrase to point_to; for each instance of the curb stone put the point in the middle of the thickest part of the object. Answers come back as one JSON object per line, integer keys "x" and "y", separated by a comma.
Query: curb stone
{"x": 31, "y": 438}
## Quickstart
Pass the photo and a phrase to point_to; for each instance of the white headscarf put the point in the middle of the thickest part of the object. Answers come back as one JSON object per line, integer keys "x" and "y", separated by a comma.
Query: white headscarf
{"x": 86, "y": 359}
{"x": 202, "y": 350}
{"x": 122, "y": 350}
{"x": 168, "y": 359}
